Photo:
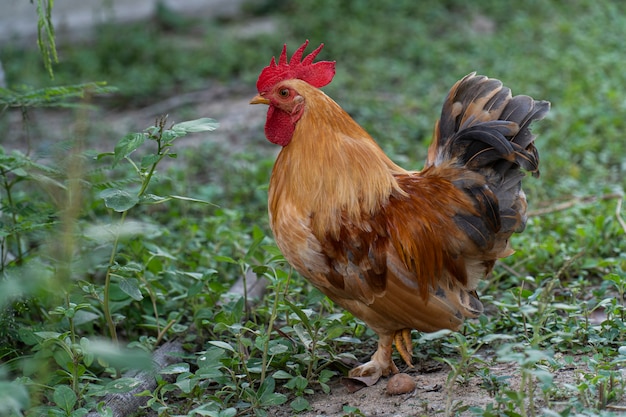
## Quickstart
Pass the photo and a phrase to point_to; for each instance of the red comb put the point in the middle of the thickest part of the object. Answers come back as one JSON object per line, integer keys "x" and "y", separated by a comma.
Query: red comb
{"x": 318, "y": 74}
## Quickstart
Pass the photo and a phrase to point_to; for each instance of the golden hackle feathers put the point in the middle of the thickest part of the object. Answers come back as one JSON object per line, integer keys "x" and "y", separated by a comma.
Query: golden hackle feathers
{"x": 335, "y": 160}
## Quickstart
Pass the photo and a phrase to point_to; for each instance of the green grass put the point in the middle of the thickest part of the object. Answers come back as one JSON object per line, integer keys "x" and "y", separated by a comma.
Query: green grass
{"x": 81, "y": 268}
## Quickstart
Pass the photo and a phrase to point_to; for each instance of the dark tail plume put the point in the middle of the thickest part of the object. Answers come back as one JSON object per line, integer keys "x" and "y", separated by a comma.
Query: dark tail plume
{"x": 484, "y": 129}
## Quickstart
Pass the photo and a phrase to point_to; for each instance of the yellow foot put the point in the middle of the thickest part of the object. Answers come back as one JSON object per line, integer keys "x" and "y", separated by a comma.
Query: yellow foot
{"x": 381, "y": 364}
{"x": 404, "y": 345}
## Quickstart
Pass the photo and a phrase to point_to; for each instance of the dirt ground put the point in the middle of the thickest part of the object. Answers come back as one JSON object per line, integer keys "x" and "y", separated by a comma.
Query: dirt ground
{"x": 433, "y": 396}
{"x": 430, "y": 397}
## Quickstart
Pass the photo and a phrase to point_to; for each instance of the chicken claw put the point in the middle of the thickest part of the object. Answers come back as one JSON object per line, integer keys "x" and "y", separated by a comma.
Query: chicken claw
{"x": 381, "y": 363}
{"x": 404, "y": 345}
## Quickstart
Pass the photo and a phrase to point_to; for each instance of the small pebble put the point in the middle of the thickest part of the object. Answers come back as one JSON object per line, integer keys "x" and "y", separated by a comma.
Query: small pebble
{"x": 400, "y": 384}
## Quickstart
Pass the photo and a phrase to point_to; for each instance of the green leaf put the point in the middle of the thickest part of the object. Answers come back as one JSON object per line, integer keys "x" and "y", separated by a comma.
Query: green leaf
{"x": 157, "y": 199}
{"x": 299, "y": 383}
{"x": 153, "y": 199}
{"x": 267, "y": 396}
{"x": 222, "y": 345}
{"x": 104, "y": 410}
{"x": 229, "y": 412}
{"x": 119, "y": 357}
{"x": 127, "y": 145}
{"x": 277, "y": 349}
{"x": 435, "y": 335}
{"x": 186, "y": 385}
{"x": 280, "y": 374}
{"x": 158, "y": 251}
{"x": 300, "y": 313}
{"x": 299, "y": 404}
{"x": 57, "y": 412}
{"x": 103, "y": 154}
{"x": 353, "y": 411}
{"x": 168, "y": 136}
{"x": 274, "y": 399}
{"x": 129, "y": 267}
{"x": 87, "y": 354}
{"x": 326, "y": 375}
{"x": 209, "y": 373}
{"x": 149, "y": 160}
{"x": 195, "y": 200}
{"x": 118, "y": 200}
{"x": 199, "y": 125}
{"x": 13, "y": 398}
{"x": 45, "y": 335}
{"x": 80, "y": 412}
{"x": 121, "y": 386}
{"x": 303, "y": 334}
{"x": 64, "y": 398}
{"x": 129, "y": 286}
{"x": 177, "y": 368}
{"x": 495, "y": 336}
{"x": 211, "y": 358}
{"x": 267, "y": 387}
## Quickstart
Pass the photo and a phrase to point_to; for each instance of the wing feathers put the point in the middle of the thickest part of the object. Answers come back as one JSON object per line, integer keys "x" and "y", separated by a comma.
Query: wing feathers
{"x": 411, "y": 252}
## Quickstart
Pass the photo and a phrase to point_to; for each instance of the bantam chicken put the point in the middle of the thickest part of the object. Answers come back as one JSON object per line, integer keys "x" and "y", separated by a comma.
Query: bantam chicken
{"x": 399, "y": 249}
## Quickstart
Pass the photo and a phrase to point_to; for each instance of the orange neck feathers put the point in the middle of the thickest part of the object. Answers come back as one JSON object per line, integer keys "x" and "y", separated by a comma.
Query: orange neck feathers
{"x": 311, "y": 170}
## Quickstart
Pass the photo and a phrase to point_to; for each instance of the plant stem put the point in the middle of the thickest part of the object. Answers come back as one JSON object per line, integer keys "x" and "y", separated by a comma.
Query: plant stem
{"x": 270, "y": 328}
{"x": 72, "y": 350}
{"x": 162, "y": 333}
{"x": 18, "y": 240}
{"x": 244, "y": 278}
{"x": 107, "y": 280}
{"x": 107, "y": 283}
{"x": 522, "y": 391}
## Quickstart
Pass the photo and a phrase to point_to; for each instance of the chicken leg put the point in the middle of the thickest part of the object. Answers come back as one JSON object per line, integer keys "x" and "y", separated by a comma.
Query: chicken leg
{"x": 381, "y": 363}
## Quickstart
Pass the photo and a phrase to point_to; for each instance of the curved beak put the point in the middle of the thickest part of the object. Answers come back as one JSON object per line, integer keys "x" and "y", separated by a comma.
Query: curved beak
{"x": 259, "y": 99}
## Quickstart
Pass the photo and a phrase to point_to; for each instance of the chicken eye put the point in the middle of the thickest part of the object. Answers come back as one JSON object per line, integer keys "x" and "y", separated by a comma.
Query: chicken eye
{"x": 284, "y": 92}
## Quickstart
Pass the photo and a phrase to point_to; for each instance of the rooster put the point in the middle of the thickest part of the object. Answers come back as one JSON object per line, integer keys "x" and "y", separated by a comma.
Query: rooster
{"x": 399, "y": 249}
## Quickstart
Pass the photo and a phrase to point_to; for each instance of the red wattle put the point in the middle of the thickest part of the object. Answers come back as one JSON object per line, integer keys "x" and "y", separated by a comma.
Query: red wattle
{"x": 279, "y": 126}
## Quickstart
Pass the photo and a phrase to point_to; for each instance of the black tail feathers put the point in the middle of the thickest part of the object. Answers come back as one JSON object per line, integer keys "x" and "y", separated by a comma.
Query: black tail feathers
{"x": 485, "y": 130}
{"x": 483, "y": 127}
